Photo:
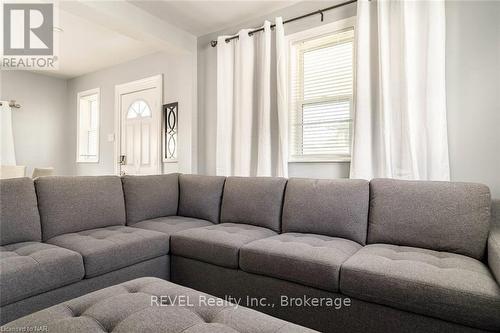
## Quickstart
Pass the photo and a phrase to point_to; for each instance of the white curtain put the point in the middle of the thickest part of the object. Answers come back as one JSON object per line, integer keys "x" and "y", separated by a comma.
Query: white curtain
{"x": 282, "y": 98}
{"x": 8, "y": 156}
{"x": 246, "y": 114}
{"x": 400, "y": 126}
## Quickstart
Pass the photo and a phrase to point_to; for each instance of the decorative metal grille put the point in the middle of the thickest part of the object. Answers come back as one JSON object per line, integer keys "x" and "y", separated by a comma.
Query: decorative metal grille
{"x": 170, "y": 114}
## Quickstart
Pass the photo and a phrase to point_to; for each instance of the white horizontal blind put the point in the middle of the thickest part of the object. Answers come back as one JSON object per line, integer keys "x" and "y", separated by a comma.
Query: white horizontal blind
{"x": 88, "y": 128}
{"x": 322, "y": 97}
{"x": 91, "y": 128}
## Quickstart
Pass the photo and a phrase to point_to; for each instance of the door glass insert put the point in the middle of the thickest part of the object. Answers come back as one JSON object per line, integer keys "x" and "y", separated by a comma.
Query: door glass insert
{"x": 139, "y": 109}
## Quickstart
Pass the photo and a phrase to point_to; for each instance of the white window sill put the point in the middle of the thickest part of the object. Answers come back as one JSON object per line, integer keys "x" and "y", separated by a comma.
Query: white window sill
{"x": 320, "y": 159}
{"x": 88, "y": 162}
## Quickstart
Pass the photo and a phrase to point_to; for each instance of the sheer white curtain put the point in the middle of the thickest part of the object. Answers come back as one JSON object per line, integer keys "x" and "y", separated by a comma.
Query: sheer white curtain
{"x": 400, "y": 126}
{"x": 245, "y": 112}
{"x": 8, "y": 156}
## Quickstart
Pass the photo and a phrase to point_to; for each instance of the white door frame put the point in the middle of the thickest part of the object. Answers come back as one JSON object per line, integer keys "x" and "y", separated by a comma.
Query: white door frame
{"x": 134, "y": 86}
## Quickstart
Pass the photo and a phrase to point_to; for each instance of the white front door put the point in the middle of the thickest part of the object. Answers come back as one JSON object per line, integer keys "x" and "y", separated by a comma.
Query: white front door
{"x": 140, "y": 127}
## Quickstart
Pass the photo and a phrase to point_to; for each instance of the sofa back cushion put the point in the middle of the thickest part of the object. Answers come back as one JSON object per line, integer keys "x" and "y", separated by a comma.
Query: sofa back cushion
{"x": 149, "y": 197}
{"x": 337, "y": 208}
{"x": 201, "y": 196}
{"x": 441, "y": 216}
{"x": 72, "y": 204}
{"x": 253, "y": 200}
{"x": 19, "y": 218}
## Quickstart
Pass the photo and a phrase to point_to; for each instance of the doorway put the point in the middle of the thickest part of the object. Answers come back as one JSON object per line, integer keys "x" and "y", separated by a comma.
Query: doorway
{"x": 138, "y": 113}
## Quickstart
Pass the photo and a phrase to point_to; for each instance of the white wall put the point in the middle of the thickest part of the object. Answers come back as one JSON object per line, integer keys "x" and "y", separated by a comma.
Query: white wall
{"x": 179, "y": 85}
{"x": 473, "y": 90}
{"x": 207, "y": 90}
{"x": 41, "y": 134}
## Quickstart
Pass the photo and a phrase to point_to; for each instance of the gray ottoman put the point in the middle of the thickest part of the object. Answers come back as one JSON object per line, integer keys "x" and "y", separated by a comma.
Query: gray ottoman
{"x": 149, "y": 305}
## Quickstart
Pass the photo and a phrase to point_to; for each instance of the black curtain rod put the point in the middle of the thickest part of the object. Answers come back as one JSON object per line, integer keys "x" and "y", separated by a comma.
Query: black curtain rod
{"x": 320, "y": 12}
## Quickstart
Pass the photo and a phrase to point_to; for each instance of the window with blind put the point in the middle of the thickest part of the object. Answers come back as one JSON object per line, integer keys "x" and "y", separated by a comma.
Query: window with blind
{"x": 322, "y": 97}
{"x": 88, "y": 126}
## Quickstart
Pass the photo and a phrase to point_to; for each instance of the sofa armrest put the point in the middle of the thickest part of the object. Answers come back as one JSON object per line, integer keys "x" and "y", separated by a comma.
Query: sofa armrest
{"x": 495, "y": 213}
{"x": 494, "y": 252}
{"x": 494, "y": 240}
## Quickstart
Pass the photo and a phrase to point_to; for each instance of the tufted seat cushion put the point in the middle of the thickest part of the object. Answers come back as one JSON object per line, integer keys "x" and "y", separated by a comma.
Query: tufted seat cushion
{"x": 30, "y": 268}
{"x": 309, "y": 259}
{"x": 170, "y": 224}
{"x": 217, "y": 244}
{"x": 111, "y": 248}
{"x": 131, "y": 307}
{"x": 439, "y": 284}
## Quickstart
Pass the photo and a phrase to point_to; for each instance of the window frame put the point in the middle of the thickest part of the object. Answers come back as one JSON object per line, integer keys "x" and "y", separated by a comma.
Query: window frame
{"x": 294, "y": 67}
{"x": 82, "y": 95}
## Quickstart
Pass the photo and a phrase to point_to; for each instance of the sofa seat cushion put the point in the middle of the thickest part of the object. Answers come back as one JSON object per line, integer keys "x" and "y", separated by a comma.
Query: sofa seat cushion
{"x": 152, "y": 305}
{"x": 111, "y": 248}
{"x": 170, "y": 224}
{"x": 218, "y": 244}
{"x": 444, "y": 285}
{"x": 309, "y": 259}
{"x": 31, "y": 268}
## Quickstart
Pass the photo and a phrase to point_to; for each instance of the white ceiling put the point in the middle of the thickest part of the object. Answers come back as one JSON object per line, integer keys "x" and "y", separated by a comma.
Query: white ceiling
{"x": 87, "y": 44}
{"x": 204, "y": 17}
{"x": 85, "y": 47}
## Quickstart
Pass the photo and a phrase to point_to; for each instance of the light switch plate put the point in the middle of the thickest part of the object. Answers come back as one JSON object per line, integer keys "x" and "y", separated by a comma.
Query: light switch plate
{"x": 111, "y": 137}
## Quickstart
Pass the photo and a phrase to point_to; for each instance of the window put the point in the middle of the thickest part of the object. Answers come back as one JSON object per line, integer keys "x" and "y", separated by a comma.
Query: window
{"x": 88, "y": 126}
{"x": 322, "y": 95}
{"x": 138, "y": 109}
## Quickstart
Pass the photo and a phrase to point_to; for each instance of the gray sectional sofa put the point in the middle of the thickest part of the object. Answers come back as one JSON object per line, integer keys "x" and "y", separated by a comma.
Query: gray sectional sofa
{"x": 332, "y": 255}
